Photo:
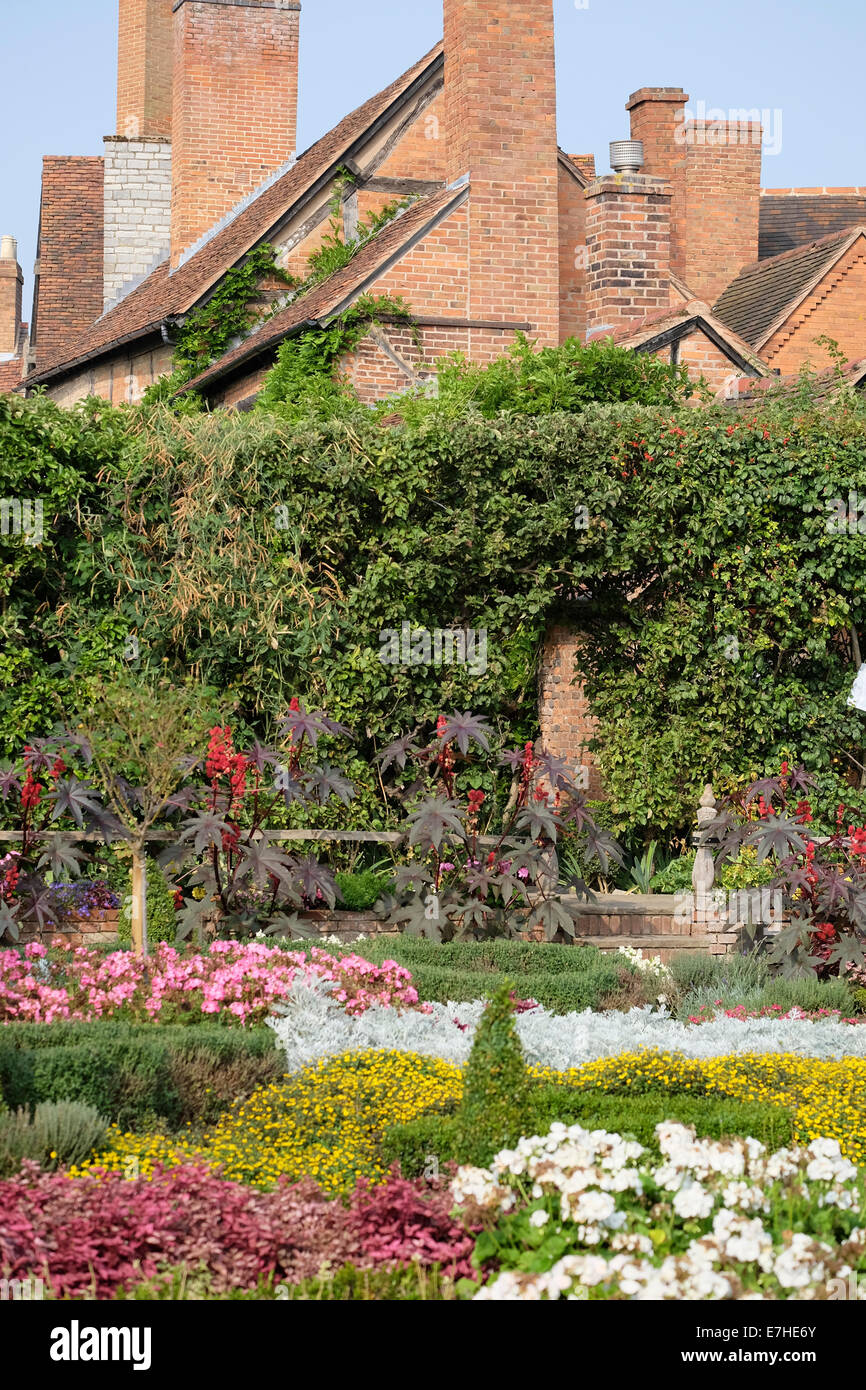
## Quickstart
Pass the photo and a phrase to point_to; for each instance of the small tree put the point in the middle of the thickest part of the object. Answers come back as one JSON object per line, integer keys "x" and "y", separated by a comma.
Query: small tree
{"x": 149, "y": 733}
{"x": 496, "y": 1083}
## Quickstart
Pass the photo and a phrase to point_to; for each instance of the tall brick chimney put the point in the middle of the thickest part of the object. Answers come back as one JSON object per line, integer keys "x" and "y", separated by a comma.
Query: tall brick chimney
{"x": 11, "y": 291}
{"x": 721, "y": 203}
{"x": 714, "y": 169}
{"x": 234, "y": 116}
{"x": 145, "y": 54}
{"x": 500, "y": 129}
{"x": 656, "y": 115}
{"x": 628, "y": 249}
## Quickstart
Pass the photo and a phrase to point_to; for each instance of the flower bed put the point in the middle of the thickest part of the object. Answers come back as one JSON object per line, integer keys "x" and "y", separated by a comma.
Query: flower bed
{"x": 572, "y": 1213}
{"x": 241, "y": 983}
{"x": 314, "y": 1026}
{"x": 98, "y": 1236}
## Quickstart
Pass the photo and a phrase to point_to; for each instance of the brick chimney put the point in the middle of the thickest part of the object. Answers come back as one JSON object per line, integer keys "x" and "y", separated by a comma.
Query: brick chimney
{"x": 11, "y": 291}
{"x": 721, "y": 203}
{"x": 714, "y": 169}
{"x": 144, "y": 66}
{"x": 656, "y": 115}
{"x": 628, "y": 248}
{"x": 500, "y": 130}
{"x": 235, "y": 107}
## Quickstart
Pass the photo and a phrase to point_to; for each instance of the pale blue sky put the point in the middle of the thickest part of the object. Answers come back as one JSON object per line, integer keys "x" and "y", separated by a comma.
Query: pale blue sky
{"x": 797, "y": 57}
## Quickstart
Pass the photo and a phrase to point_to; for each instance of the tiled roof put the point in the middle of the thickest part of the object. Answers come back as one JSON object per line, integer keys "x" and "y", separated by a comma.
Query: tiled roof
{"x": 765, "y": 293}
{"x": 324, "y": 300}
{"x": 751, "y": 392}
{"x": 693, "y": 315}
{"x": 788, "y": 219}
{"x": 69, "y": 285}
{"x": 11, "y": 374}
{"x": 162, "y": 295}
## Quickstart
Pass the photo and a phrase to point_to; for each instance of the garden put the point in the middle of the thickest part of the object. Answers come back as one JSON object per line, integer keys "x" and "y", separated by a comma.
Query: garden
{"x": 294, "y": 1002}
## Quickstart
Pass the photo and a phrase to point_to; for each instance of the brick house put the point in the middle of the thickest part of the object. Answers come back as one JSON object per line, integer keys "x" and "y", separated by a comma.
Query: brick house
{"x": 678, "y": 251}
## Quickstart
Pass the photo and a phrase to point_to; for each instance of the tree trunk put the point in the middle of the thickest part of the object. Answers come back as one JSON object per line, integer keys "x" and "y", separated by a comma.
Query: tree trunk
{"x": 139, "y": 901}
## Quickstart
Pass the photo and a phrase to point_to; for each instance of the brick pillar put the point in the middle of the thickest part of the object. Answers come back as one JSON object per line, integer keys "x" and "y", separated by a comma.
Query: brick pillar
{"x": 657, "y": 118}
{"x": 500, "y": 129}
{"x": 564, "y": 716}
{"x": 144, "y": 68}
{"x": 722, "y": 199}
{"x": 628, "y": 248}
{"x": 11, "y": 290}
{"x": 235, "y": 107}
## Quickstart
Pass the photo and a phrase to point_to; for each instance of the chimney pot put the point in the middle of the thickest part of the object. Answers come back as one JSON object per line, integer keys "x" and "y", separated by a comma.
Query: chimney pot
{"x": 626, "y": 156}
{"x": 9, "y": 249}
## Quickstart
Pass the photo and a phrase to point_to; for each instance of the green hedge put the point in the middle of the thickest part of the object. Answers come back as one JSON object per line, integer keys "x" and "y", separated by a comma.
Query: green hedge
{"x": 136, "y": 1074}
{"x": 436, "y": 1135}
{"x": 562, "y": 978}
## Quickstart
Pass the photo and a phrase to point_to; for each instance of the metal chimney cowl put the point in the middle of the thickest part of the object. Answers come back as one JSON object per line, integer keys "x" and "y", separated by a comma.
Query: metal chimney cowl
{"x": 626, "y": 156}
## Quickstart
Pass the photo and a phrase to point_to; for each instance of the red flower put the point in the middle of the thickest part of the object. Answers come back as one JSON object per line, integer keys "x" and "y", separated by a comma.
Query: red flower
{"x": 31, "y": 792}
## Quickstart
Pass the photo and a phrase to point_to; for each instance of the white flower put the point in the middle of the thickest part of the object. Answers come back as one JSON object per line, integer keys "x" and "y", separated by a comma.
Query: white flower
{"x": 539, "y": 1218}
{"x": 693, "y": 1200}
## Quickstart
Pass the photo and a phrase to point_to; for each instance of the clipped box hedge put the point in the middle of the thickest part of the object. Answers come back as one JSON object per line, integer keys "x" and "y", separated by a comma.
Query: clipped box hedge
{"x": 136, "y": 1074}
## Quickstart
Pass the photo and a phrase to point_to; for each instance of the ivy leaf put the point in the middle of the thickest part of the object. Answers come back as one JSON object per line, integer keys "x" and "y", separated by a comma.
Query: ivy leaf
{"x": 9, "y": 780}
{"x": 464, "y": 728}
{"x": 430, "y": 821}
{"x": 8, "y": 924}
{"x": 396, "y": 753}
{"x": 75, "y": 798}
{"x": 205, "y": 831}
{"x": 314, "y": 877}
{"x": 325, "y": 781}
{"x": 64, "y": 856}
{"x": 263, "y": 862}
{"x": 776, "y": 835}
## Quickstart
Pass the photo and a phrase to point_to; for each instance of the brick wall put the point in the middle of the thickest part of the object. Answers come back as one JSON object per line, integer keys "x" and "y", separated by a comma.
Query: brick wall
{"x": 137, "y": 227}
{"x": 235, "y": 107}
{"x": 565, "y": 719}
{"x": 722, "y": 200}
{"x": 144, "y": 69}
{"x": 500, "y": 129}
{"x": 69, "y": 287}
{"x": 572, "y": 257}
{"x": 836, "y": 307}
{"x": 628, "y": 246}
{"x": 656, "y": 118}
{"x": 11, "y": 294}
{"x": 703, "y": 358}
{"x": 419, "y": 153}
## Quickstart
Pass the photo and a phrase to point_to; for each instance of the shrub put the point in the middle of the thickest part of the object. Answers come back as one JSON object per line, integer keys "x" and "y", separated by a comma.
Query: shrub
{"x": 417, "y": 1144}
{"x": 360, "y": 892}
{"x": 132, "y": 1073}
{"x": 496, "y": 1080}
{"x": 57, "y": 1133}
{"x": 324, "y": 1122}
{"x": 160, "y": 909}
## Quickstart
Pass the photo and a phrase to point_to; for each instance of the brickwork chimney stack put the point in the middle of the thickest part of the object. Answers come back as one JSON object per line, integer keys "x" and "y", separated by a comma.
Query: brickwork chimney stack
{"x": 500, "y": 130}
{"x": 11, "y": 291}
{"x": 145, "y": 55}
{"x": 628, "y": 249}
{"x": 234, "y": 119}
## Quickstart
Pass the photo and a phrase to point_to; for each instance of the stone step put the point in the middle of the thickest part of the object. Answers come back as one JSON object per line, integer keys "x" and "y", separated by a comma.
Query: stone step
{"x": 664, "y": 946}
